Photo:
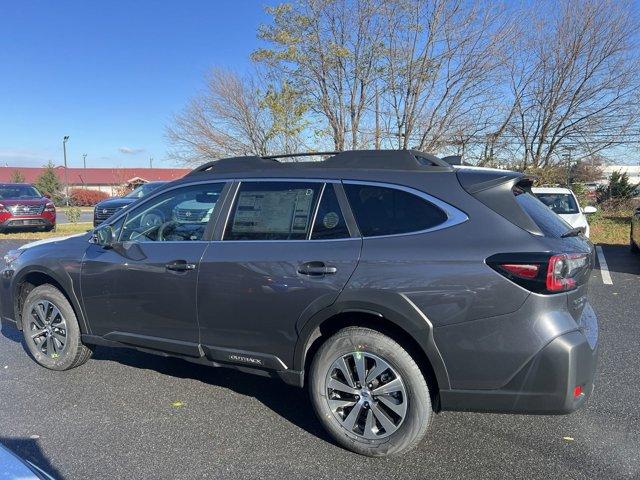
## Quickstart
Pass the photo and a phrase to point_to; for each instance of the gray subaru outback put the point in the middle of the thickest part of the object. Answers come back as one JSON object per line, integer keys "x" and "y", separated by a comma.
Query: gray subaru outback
{"x": 389, "y": 283}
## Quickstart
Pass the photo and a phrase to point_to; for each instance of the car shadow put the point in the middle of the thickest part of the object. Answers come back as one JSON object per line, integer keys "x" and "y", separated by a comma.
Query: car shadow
{"x": 621, "y": 259}
{"x": 10, "y": 332}
{"x": 29, "y": 449}
{"x": 269, "y": 391}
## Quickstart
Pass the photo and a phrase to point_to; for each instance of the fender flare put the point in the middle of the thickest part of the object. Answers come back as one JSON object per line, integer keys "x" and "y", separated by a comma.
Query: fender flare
{"x": 393, "y": 307}
{"x": 64, "y": 281}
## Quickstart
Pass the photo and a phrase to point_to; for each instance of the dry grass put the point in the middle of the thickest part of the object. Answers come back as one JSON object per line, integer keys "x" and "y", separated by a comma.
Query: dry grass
{"x": 60, "y": 231}
{"x": 610, "y": 228}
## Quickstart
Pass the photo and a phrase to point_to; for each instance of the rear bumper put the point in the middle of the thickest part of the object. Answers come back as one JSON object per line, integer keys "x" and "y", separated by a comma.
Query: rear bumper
{"x": 545, "y": 385}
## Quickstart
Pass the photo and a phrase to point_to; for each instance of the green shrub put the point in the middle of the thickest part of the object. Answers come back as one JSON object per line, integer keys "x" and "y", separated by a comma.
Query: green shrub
{"x": 73, "y": 214}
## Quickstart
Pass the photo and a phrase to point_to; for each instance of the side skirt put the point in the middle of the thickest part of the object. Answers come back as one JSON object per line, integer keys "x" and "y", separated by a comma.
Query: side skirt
{"x": 245, "y": 361}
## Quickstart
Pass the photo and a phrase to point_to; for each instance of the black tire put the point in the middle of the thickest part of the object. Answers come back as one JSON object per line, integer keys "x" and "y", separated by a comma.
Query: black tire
{"x": 48, "y": 229}
{"x": 74, "y": 353}
{"x": 418, "y": 410}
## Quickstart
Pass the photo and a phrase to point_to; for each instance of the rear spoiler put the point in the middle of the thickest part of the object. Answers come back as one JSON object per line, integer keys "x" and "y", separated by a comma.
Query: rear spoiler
{"x": 497, "y": 189}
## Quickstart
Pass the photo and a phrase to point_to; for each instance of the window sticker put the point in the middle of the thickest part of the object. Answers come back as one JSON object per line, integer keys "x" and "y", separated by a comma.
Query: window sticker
{"x": 331, "y": 220}
{"x": 280, "y": 212}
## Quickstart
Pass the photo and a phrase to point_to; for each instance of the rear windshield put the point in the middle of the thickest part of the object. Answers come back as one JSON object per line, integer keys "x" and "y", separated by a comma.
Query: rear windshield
{"x": 561, "y": 203}
{"x": 550, "y": 224}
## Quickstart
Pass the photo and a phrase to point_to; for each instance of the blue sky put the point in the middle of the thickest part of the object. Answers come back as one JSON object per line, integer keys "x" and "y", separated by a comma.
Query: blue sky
{"x": 110, "y": 74}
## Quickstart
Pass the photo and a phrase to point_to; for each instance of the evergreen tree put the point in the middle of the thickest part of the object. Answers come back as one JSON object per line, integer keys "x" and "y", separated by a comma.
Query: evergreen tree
{"x": 618, "y": 188}
{"x": 48, "y": 183}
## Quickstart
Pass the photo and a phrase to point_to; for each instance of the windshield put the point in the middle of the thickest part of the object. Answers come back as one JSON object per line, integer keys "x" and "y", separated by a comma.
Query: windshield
{"x": 561, "y": 203}
{"x": 18, "y": 191}
{"x": 142, "y": 190}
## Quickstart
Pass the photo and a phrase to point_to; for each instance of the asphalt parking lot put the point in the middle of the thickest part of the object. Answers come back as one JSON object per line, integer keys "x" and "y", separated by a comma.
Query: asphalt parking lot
{"x": 127, "y": 414}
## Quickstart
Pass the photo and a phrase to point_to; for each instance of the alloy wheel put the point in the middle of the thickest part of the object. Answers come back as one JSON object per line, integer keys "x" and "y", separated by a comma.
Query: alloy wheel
{"x": 366, "y": 395}
{"x": 48, "y": 329}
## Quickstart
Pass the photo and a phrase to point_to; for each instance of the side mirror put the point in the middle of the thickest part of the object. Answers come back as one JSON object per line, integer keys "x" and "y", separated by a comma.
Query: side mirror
{"x": 589, "y": 209}
{"x": 103, "y": 236}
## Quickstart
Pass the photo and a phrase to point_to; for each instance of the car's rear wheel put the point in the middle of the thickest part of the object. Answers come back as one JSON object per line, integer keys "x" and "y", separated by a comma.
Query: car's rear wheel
{"x": 369, "y": 393}
{"x": 51, "y": 331}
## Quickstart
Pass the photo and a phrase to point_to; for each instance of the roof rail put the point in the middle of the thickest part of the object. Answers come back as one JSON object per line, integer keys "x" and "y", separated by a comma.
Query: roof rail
{"x": 233, "y": 163}
{"x": 304, "y": 154}
{"x": 371, "y": 159}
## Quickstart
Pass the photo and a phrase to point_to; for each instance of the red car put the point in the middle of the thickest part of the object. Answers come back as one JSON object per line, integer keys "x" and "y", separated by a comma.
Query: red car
{"x": 23, "y": 206}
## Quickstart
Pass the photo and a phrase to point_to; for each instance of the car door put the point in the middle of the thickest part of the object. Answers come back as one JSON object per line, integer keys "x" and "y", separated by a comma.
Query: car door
{"x": 142, "y": 290}
{"x": 286, "y": 251}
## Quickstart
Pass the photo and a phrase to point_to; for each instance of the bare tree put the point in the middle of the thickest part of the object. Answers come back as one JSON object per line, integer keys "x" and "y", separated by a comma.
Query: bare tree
{"x": 500, "y": 85}
{"x": 439, "y": 59}
{"x": 237, "y": 116}
{"x": 226, "y": 119}
{"x": 328, "y": 49}
{"x": 577, "y": 80}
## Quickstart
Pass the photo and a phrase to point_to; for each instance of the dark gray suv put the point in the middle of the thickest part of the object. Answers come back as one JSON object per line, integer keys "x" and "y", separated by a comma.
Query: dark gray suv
{"x": 390, "y": 283}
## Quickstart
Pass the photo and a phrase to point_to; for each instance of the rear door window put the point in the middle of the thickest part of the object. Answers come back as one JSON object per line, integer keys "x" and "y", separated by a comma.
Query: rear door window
{"x": 273, "y": 211}
{"x": 389, "y": 211}
{"x": 329, "y": 224}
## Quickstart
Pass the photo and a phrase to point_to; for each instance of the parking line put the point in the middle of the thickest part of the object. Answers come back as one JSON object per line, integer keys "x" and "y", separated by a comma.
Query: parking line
{"x": 604, "y": 268}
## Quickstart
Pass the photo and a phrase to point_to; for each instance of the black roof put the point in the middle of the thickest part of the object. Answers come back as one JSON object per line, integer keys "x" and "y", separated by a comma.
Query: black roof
{"x": 410, "y": 160}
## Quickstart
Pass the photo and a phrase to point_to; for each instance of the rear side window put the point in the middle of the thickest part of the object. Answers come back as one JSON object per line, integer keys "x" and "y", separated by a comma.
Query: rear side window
{"x": 550, "y": 224}
{"x": 272, "y": 211}
{"x": 389, "y": 211}
{"x": 329, "y": 224}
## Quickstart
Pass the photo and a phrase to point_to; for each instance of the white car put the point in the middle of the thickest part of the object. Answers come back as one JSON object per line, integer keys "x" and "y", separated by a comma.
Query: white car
{"x": 564, "y": 202}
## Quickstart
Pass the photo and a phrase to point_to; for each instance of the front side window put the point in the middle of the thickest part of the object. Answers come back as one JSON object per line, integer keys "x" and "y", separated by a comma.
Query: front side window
{"x": 181, "y": 215}
{"x": 389, "y": 211}
{"x": 273, "y": 211}
{"x": 144, "y": 190}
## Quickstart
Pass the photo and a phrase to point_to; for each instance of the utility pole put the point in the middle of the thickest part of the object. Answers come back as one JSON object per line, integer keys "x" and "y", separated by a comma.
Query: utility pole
{"x": 568, "y": 157}
{"x": 84, "y": 160}
{"x": 150, "y": 162}
{"x": 66, "y": 174}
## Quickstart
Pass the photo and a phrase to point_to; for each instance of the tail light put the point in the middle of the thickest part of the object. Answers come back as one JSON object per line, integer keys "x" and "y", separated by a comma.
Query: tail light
{"x": 543, "y": 272}
{"x": 563, "y": 270}
{"x": 49, "y": 207}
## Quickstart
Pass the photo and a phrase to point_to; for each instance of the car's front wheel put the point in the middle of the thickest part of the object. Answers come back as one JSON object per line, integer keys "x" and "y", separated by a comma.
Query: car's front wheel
{"x": 51, "y": 331}
{"x": 369, "y": 393}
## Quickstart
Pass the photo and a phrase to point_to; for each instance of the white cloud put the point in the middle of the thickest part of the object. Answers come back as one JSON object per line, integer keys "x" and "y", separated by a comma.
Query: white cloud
{"x": 130, "y": 150}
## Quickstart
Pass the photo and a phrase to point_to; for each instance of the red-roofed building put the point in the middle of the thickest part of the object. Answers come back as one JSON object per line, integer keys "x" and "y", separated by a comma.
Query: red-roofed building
{"x": 110, "y": 180}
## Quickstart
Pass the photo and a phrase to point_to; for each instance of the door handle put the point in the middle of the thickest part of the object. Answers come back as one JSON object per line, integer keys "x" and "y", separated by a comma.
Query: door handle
{"x": 316, "y": 268}
{"x": 180, "y": 266}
